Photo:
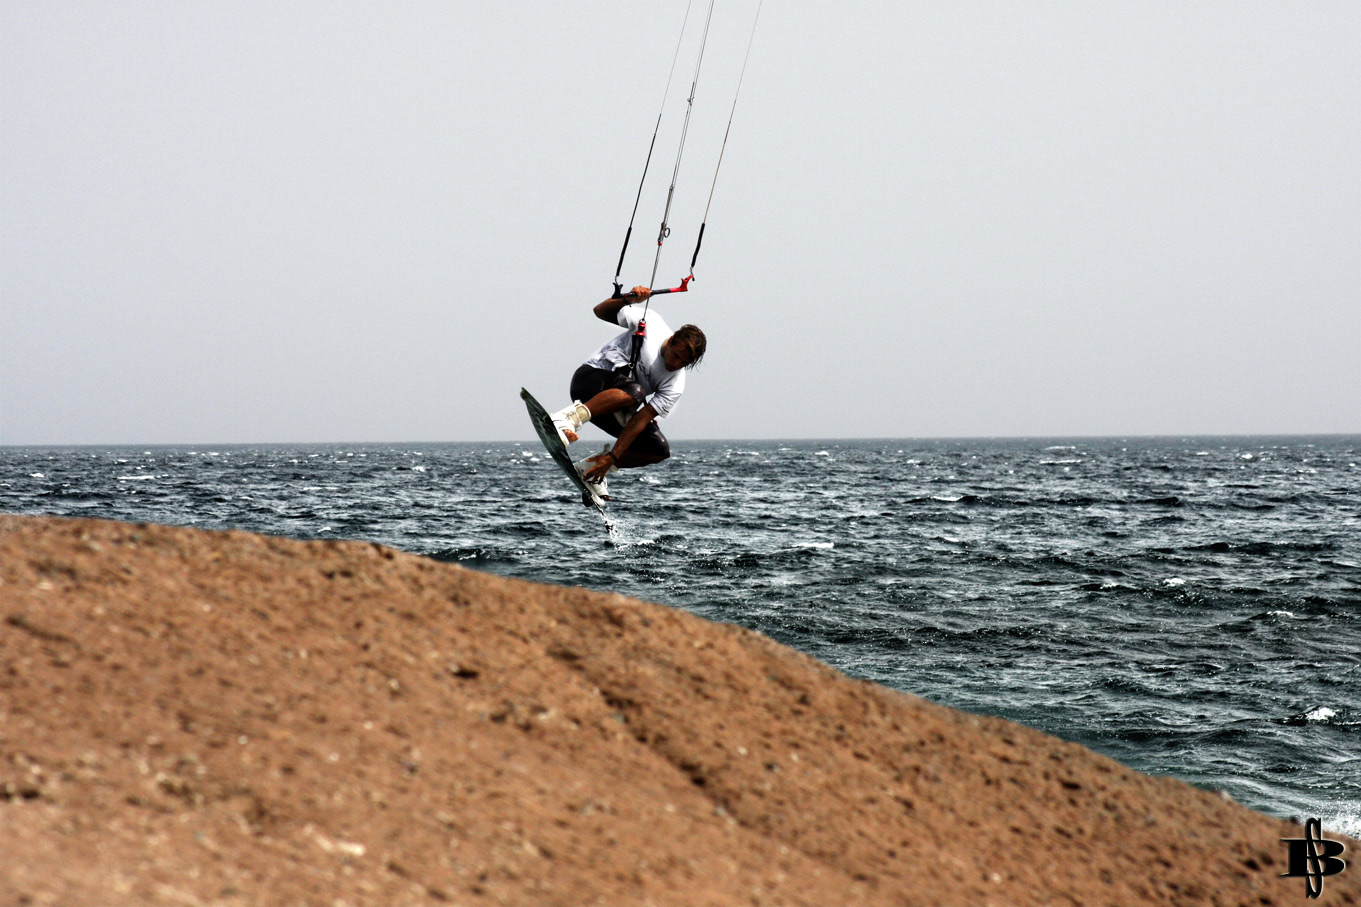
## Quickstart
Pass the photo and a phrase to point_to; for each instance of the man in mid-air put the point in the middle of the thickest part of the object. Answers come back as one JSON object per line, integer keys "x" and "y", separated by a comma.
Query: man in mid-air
{"x": 625, "y": 399}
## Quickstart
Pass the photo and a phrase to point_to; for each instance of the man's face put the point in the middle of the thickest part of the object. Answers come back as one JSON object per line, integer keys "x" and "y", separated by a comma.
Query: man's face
{"x": 673, "y": 357}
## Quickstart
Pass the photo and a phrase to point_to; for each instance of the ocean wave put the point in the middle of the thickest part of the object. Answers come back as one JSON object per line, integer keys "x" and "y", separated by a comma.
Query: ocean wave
{"x": 1347, "y": 822}
{"x": 472, "y": 554}
{"x": 1264, "y": 549}
{"x": 1342, "y": 717}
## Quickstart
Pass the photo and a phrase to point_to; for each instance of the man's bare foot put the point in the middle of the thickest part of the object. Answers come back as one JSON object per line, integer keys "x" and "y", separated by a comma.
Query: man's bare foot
{"x": 568, "y": 420}
{"x": 565, "y": 429}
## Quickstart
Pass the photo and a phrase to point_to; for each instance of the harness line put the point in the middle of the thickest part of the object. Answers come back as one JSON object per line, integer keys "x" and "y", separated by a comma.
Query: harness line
{"x": 724, "y": 147}
{"x": 640, "y": 333}
{"x": 665, "y": 231}
{"x": 636, "y": 345}
{"x": 618, "y": 287}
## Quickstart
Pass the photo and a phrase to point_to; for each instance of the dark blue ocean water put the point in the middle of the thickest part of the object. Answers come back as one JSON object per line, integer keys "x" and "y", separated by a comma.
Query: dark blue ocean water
{"x": 1190, "y": 607}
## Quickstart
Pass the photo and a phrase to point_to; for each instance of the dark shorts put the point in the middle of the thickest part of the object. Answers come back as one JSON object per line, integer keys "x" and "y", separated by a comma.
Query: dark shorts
{"x": 589, "y": 381}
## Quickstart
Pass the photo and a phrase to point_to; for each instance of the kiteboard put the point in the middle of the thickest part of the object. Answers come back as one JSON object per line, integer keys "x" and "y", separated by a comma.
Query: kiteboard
{"x": 543, "y": 424}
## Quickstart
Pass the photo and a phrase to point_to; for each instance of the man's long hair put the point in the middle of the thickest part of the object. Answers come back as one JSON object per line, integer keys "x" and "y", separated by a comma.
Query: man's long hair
{"x": 692, "y": 339}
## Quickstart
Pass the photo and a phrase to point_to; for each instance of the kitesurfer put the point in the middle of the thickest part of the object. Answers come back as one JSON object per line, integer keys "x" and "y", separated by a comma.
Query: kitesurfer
{"x": 626, "y": 390}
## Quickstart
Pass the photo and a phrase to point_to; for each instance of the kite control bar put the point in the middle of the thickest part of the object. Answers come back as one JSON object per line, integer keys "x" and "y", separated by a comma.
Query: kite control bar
{"x": 683, "y": 288}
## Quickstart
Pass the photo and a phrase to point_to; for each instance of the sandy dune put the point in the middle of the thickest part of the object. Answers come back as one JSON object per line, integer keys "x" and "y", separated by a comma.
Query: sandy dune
{"x": 191, "y": 717}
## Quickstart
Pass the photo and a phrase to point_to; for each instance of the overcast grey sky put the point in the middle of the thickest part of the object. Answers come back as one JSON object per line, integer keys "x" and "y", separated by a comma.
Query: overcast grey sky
{"x": 308, "y": 221}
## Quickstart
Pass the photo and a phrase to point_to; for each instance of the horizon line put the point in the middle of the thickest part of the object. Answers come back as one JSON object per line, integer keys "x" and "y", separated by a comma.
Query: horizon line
{"x": 733, "y": 440}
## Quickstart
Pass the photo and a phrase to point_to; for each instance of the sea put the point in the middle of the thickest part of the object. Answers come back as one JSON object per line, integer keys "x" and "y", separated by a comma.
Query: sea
{"x": 1190, "y": 607}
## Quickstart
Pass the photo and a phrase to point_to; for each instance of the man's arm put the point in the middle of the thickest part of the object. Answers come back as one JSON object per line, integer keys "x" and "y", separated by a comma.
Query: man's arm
{"x": 637, "y": 422}
{"x": 609, "y": 309}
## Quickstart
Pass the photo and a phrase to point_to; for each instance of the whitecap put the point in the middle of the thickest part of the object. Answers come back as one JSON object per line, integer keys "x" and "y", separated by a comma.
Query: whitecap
{"x": 1344, "y": 824}
{"x": 823, "y": 545}
{"x": 418, "y": 469}
{"x": 527, "y": 453}
{"x": 1174, "y": 582}
{"x": 822, "y": 453}
{"x": 1290, "y": 614}
{"x": 947, "y": 498}
{"x": 1322, "y": 713}
{"x": 134, "y": 478}
{"x": 621, "y": 533}
{"x": 36, "y": 475}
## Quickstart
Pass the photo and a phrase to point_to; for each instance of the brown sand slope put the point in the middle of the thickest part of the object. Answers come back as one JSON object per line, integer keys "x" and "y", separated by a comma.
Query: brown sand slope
{"x": 220, "y": 718}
